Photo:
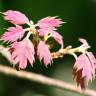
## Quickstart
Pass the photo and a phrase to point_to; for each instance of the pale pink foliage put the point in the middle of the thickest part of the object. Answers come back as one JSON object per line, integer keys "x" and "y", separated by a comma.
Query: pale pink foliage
{"x": 86, "y": 63}
{"x": 92, "y": 59}
{"x": 43, "y": 32}
{"x": 15, "y": 17}
{"x": 48, "y": 26}
{"x": 44, "y": 53}
{"x": 57, "y": 37}
{"x": 50, "y": 22}
{"x": 13, "y": 34}
{"x": 23, "y": 51}
{"x": 85, "y": 44}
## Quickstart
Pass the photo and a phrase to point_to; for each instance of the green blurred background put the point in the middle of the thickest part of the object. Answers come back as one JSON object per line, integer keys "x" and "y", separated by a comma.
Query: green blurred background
{"x": 80, "y": 16}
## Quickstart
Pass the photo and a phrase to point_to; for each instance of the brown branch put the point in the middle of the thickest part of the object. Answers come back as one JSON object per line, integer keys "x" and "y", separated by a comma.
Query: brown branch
{"x": 45, "y": 80}
{"x": 62, "y": 52}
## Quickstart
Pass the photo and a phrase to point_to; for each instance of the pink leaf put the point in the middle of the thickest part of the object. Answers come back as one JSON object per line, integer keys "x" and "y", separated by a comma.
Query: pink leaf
{"x": 23, "y": 51}
{"x": 57, "y": 37}
{"x": 44, "y": 53}
{"x": 50, "y": 22}
{"x": 15, "y": 17}
{"x": 85, "y": 64}
{"x": 43, "y": 32}
{"x": 92, "y": 59}
{"x": 84, "y": 43}
{"x": 13, "y": 34}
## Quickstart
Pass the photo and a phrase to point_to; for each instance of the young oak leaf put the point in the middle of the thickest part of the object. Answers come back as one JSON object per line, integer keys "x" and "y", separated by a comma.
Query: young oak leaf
{"x": 85, "y": 45}
{"x": 13, "y": 34}
{"x": 57, "y": 37}
{"x": 15, "y": 17}
{"x": 23, "y": 51}
{"x": 48, "y": 26}
{"x": 50, "y": 22}
{"x": 43, "y": 32}
{"x": 84, "y": 68}
{"x": 54, "y": 34}
{"x": 44, "y": 53}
